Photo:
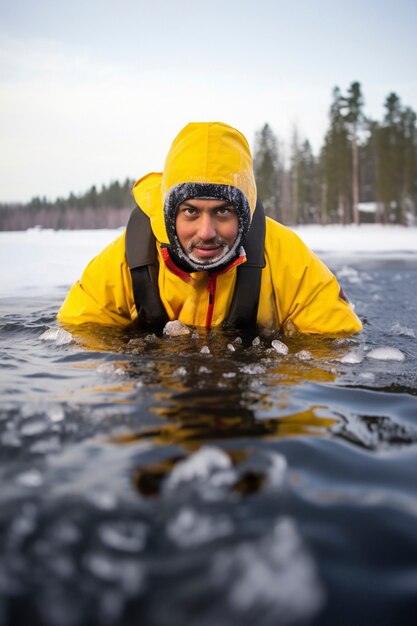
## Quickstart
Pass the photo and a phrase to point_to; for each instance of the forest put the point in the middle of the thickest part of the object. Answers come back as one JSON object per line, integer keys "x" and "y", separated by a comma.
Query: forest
{"x": 365, "y": 171}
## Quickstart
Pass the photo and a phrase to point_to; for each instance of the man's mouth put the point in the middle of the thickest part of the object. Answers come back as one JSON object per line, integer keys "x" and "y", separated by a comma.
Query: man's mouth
{"x": 207, "y": 251}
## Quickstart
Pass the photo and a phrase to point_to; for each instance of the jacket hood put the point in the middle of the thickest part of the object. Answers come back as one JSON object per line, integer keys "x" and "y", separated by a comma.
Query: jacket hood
{"x": 208, "y": 159}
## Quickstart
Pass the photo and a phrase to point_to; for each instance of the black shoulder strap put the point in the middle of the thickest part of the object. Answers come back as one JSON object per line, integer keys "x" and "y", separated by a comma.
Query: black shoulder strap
{"x": 143, "y": 263}
{"x": 244, "y": 308}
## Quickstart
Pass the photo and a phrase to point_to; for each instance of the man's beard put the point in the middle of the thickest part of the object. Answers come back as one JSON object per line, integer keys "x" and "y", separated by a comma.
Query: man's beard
{"x": 217, "y": 241}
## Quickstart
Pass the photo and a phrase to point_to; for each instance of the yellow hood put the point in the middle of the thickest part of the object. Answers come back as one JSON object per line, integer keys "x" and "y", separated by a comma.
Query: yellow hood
{"x": 203, "y": 152}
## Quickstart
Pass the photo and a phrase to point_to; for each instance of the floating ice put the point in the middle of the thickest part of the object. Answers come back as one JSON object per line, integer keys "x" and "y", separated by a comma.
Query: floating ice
{"x": 128, "y": 574}
{"x": 272, "y": 466}
{"x": 386, "y": 353}
{"x": 304, "y": 355}
{"x": 190, "y": 528}
{"x": 176, "y": 329}
{"x": 350, "y": 274}
{"x": 352, "y": 357}
{"x": 33, "y": 427}
{"x": 205, "y": 350}
{"x": 398, "y": 329}
{"x": 279, "y": 347}
{"x": 104, "y": 500}
{"x": 57, "y": 335}
{"x": 31, "y": 478}
{"x": 256, "y": 342}
{"x": 108, "y": 369}
{"x": 229, "y": 374}
{"x": 180, "y": 371}
{"x": 11, "y": 438}
{"x": 273, "y": 576}
{"x": 201, "y": 465}
{"x": 126, "y": 536}
{"x": 55, "y": 413}
{"x": 367, "y": 376}
{"x": 46, "y": 446}
{"x": 253, "y": 368}
{"x": 231, "y": 347}
{"x": 204, "y": 370}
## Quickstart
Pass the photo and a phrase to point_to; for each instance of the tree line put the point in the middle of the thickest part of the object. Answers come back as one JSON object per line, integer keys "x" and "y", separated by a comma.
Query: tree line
{"x": 108, "y": 207}
{"x": 366, "y": 170}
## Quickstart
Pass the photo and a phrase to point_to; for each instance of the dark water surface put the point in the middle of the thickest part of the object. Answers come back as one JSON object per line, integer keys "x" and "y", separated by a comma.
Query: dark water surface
{"x": 145, "y": 481}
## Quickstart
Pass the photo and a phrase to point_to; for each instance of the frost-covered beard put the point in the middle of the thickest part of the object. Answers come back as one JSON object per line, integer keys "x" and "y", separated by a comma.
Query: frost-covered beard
{"x": 184, "y": 191}
{"x": 217, "y": 241}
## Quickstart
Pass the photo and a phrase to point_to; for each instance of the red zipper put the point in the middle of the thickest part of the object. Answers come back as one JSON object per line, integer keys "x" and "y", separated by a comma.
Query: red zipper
{"x": 211, "y": 286}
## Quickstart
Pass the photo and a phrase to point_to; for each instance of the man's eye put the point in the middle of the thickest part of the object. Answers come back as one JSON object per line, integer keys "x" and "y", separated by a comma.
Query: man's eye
{"x": 223, "y": 211}
{"x": 189, "y": 212}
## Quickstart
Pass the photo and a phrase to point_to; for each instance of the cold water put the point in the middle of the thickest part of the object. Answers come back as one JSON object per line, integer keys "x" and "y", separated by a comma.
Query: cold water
{"x": 208, "y": 479}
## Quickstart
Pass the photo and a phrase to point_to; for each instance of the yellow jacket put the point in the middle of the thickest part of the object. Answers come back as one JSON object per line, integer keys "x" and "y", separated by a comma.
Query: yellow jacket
{"x": 297, "y": 289}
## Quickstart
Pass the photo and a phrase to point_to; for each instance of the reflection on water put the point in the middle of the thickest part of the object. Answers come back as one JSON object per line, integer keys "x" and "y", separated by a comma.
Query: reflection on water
{"x": 208, "y": 479}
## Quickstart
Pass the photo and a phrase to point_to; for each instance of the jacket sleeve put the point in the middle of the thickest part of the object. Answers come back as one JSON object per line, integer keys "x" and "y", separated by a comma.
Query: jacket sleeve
{"x": 104, "y": 294}
{"x": 307, "y": 294}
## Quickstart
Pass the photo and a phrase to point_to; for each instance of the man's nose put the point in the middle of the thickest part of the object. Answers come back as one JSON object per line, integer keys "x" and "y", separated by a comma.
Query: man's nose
{"x": 206, "y": 227}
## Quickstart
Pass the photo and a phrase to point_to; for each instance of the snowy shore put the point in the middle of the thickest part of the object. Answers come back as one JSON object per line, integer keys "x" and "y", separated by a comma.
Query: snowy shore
{"x": 38, "y": 260}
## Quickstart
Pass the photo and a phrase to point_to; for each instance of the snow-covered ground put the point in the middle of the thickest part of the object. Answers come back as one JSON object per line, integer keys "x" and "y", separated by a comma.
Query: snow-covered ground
{"x": 37, "y": 260}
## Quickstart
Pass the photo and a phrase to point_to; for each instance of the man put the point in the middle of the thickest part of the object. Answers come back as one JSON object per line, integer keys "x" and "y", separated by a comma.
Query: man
{"x": 201, "y": 218}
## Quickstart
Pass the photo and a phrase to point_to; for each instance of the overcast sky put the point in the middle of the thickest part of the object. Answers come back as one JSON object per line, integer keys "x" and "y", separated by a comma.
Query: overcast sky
{"x": 95, "y": 91}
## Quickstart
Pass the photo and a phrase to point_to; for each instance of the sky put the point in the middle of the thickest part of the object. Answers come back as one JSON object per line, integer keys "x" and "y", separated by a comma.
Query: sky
{"x": 95, "y": 91}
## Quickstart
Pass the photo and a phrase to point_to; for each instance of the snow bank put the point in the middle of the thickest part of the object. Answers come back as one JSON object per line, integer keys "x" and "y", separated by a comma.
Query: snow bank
{"x": 36, "y": 260}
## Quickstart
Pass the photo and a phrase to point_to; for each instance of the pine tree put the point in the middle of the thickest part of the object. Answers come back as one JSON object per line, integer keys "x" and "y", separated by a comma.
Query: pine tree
{"x": 268, "y": 171}
{"x": 352, "y": 106}
{"x": 335, "y": 168}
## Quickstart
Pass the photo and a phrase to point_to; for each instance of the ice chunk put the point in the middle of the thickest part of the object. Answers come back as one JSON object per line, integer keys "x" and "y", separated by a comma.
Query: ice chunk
{"x": 231, "y": 347}
{"x": 126, "y": 536}
{"x": 180, "y": 371}
{"x": 55, "y": 413}
{"x": 11, "y": 438}
{"x": 33, "y": 427}
{"x": 349, "y": 274}
{"x": 190, "y": 528}
{"x": 104, "y": 500}
{"x": 398, "y": 329}
{"x": 176, "y": 329}
{"x": 256, "y": 342}
{"x": 229, "y": 374}
{"x": 204, "y": 370}
{"x": 273, "y": 576}
{"x": 31, "y": 478}
{"x": 352, "y": 357}
{"x": 272, "y": 466}
{"x": 205, "y": 350}
{"x": 127, "y": 573}
{"x": 46, "y": 446}
{"x": 304, "y": 355}
{"x": 386, "y": 353}
{"x": 201, "y": 465}
{"x": 108, "y": 369}
{"x": 279, "y": 347}
{"x": 57, "y": 335}
{"x": 253, "y": 368}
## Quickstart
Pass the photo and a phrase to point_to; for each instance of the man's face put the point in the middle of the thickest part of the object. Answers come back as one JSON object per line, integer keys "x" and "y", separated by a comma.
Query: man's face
{"x": 206, "y": 229}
